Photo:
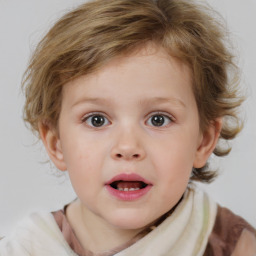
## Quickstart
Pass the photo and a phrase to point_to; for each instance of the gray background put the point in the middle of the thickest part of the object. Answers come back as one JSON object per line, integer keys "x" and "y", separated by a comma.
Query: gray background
{"x": 27, "y": 184}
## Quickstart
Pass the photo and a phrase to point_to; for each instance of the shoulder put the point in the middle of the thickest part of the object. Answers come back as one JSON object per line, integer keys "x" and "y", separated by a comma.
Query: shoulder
{"x": 228, "y": 232}
{"x": 38, "y": 234}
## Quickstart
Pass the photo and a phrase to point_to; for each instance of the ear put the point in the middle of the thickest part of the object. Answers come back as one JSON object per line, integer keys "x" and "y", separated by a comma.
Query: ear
{"x": 207, "y": 143}
{"x": 52, "y": 145}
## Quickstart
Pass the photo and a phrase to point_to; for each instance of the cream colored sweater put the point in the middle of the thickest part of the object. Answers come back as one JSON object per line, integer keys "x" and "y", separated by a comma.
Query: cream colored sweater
{"x": 185, "y": 233}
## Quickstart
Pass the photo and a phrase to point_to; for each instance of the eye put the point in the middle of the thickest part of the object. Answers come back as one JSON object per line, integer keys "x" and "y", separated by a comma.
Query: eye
{"x": 159, "y": 120}
{"x": 96, "y": 120}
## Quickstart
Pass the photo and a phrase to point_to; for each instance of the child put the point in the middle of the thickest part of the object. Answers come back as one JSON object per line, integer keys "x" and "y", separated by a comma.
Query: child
{"x": 131, "y": 97}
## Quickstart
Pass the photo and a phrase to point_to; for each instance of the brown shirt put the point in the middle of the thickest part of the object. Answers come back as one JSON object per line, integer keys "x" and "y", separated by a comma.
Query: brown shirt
{"x": 229, "y": 235}
{"x": 227, "y": 232}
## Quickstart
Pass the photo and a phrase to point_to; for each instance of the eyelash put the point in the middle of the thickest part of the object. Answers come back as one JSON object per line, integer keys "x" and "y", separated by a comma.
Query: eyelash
{"x": 166, "y": 117}
{"x": 95, "y": 114}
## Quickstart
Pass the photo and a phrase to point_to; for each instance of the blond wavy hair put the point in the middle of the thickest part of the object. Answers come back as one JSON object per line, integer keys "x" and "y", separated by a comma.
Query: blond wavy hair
{"x": 85, "y": 39}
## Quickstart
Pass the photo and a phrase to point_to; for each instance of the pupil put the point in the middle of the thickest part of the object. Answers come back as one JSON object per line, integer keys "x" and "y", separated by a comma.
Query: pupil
{"x": 158, "y": 120}
{"x": 97, "y": 121}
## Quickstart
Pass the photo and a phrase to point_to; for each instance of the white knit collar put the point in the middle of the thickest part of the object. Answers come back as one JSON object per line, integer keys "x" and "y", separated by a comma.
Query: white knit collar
{"x": 185, "y": 232}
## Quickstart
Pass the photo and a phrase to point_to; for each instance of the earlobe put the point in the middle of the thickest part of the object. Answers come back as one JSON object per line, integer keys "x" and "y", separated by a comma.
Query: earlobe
{"x": 208, "y": 143}
{"x": 52, "y": 145}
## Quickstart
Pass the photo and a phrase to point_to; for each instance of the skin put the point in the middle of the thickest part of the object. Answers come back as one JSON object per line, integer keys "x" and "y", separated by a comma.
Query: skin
{"x": 127, "y": 94}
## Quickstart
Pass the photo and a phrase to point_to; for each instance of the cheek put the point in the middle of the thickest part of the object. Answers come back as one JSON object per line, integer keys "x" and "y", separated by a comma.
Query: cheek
{"x": 177, "y": 152}
{"x": 84, "y": 158}
{"x": 80, "y": 150}
{"x": 83, "y": 169}
{"x": 173, "y": 160}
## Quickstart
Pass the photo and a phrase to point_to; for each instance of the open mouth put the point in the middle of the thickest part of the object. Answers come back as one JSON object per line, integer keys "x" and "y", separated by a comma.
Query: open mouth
{"x": 128, "y": 187}
{"x": 122, "y": 185}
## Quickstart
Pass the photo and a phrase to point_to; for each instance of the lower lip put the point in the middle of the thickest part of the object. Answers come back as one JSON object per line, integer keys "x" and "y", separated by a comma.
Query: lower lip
{"x": 128, "y": 195}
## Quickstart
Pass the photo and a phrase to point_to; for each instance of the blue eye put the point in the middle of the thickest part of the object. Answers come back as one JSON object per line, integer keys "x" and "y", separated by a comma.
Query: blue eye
{"x": 96, "y": 120}
{"x": 159, "y": 120}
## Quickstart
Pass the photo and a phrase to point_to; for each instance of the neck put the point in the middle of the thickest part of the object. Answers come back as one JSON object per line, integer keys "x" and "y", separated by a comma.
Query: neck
{"x": 91, "y": 230}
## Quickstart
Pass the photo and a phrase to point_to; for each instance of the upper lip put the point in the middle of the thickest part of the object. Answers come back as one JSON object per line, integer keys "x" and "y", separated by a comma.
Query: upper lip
{"x": 128, "y": 177}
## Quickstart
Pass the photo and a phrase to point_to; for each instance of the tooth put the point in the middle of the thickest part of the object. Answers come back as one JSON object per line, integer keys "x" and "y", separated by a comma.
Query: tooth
{"x": 127, "y": 189}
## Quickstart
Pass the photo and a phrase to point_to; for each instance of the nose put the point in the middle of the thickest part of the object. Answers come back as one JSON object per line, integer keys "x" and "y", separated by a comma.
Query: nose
{"x": 128, "y": 146}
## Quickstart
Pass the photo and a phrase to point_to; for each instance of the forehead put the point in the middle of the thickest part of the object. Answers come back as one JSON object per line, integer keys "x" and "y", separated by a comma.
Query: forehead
{"x": 146, "y": 72}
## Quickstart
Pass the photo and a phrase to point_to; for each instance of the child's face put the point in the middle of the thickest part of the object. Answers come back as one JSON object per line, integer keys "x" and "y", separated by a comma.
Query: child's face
{"x": 134, "y": 120}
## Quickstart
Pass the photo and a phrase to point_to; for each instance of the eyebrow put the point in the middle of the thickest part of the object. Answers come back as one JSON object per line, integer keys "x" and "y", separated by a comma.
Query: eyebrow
{"x": 159, "y": 100}
{"x": 147, "y": 101}
{"x": 92, "y": 101}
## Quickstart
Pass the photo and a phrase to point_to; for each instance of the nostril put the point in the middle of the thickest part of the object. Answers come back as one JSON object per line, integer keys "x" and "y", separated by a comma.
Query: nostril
{"x": 133, "y": 156}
